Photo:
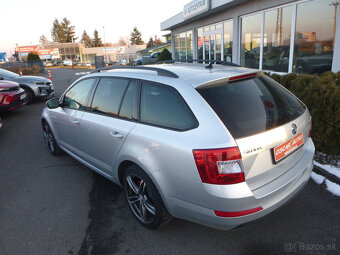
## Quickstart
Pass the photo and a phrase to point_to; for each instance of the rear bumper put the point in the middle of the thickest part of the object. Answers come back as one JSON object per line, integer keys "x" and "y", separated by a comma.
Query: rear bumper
{"x": 12, "y": 101}
{"x": 197, "y": 201}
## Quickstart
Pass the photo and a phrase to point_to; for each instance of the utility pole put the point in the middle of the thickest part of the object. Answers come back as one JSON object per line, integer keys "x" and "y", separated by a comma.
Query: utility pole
{"x": 335, "y": 4}
{"x": 104, "y": 45}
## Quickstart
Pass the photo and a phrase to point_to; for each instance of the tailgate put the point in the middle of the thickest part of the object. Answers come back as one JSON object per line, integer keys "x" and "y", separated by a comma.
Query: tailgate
{"x": 260, "y": 164}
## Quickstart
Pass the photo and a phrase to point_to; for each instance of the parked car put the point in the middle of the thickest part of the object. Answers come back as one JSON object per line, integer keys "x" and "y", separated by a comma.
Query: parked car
{"x": 67, "y": 62}
{"x": 221, "y": 146}
{"x": 48, "y": 63}
{"x": 147, "y": 59}
{"x": 11, "y": 96}
{"x": 34, "y": 86}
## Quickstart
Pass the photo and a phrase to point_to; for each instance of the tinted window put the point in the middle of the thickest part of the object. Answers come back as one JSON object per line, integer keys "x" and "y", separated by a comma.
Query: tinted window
{"x": 251, "y": 106}
{"x": 127, "y": 105}
{"x": 108, "y": 96}
{"x": 76, "y": 97}
{"x": 162, "y": 106}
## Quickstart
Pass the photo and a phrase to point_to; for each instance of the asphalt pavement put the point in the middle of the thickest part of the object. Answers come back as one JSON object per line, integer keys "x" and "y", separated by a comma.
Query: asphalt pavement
{"x": 54, "y": 205}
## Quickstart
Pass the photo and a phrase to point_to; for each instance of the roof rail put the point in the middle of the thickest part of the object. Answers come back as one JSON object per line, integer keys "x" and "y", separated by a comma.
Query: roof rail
{"x": 159, "y": 71}
{"x": 225, "y": 63}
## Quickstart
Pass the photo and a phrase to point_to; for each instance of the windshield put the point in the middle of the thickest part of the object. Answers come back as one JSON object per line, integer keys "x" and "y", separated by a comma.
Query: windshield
{"x": 252, "y": 106}
{"x": 7, "y": 74}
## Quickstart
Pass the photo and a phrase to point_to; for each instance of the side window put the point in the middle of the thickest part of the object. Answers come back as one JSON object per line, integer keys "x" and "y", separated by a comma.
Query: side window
{"x": 163, "y": 106}
{"x": 76, "y": 97}
{"x": 108, "y": 95}
{"x": 128, "y": 101}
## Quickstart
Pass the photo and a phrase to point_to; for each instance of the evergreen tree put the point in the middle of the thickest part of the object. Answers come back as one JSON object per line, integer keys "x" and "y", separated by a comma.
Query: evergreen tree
{"x": 165, "y": 55}
{"x": 63, "y": 31}
{"x": 33, "y": 56}
{"x": 150, "y": 43}
{"x": 86, "y": 40}
{"x": 136, "y": 37}
{"x": 57, "y": 32}
{"x": 97, "y": 41}
{"x": 68, "y": 30}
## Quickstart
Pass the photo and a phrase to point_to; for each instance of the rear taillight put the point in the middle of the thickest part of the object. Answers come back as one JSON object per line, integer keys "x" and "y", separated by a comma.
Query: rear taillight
{"x": 219, "y": 166}
{"x": 310, "y": 129}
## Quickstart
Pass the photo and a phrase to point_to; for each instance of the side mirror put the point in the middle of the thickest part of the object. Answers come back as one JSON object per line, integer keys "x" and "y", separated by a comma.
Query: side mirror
{"x": 1, "y": 78}
{"x": 53, "y": 103}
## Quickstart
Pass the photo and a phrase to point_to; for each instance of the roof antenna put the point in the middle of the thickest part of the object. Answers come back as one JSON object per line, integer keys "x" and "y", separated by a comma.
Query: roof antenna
{"x": 210, "y": 66}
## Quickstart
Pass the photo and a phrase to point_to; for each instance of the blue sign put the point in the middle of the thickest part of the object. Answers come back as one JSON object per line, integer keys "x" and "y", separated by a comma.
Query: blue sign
{"x": 2, "y": 56}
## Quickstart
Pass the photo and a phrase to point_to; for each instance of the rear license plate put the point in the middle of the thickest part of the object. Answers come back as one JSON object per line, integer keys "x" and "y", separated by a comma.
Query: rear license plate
{"x": 283, "y": 150}
{"x": 23, "y": 96}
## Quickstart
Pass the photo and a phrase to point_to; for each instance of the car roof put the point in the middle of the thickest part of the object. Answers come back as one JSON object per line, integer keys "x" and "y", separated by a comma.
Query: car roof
{"x": 187, "y": 73}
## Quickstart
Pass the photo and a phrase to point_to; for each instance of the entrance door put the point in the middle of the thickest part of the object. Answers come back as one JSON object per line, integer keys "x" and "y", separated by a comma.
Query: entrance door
{"x": 213, "y": 45}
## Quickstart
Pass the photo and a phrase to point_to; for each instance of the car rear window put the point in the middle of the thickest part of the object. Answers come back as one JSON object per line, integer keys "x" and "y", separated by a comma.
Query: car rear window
{"x": 252, "y": 106}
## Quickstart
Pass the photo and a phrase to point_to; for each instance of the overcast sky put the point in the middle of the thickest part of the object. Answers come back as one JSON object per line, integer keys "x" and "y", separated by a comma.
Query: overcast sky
{"x": 24, "y": 21}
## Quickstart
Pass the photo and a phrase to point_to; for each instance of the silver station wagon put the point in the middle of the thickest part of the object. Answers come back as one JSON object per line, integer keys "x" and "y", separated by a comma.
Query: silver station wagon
{"x": 220, "y": 146}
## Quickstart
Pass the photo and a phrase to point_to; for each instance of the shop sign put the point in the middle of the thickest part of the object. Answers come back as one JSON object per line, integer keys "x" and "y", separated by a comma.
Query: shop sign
{"x": 195, "y": 7}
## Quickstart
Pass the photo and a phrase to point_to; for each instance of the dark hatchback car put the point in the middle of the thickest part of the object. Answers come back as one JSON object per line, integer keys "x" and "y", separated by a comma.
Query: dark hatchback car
{"x": 11, "y": 96}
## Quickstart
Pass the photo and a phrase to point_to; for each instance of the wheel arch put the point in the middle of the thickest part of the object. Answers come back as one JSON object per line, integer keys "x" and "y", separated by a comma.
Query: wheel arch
{"x": 126, "y": 163}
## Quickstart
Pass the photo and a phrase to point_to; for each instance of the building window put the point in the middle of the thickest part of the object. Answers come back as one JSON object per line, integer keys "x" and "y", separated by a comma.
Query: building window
{"x": 314, "y": 36}
{"x": 228, "y": 41}
{"x": 177, "y": 49}
{"x": 189, "y": 45}
{"x": 309, "y": 51}
{"x": 200, "y": 43}
{"x": 182, "y": 43}
{"x": 276, "y": 46}
{"x": 183, "y": 46}
{"x": 214, "y": 42}
{"x": 251, "y": 41}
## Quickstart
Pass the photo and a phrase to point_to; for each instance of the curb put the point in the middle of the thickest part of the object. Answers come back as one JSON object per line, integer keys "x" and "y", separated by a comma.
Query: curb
{"x": 327, "y": 175}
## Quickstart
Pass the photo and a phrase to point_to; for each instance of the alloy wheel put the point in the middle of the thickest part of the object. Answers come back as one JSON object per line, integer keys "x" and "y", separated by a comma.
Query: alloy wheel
{"x": 49, "y": 138}
{"x": 139, "y": 199}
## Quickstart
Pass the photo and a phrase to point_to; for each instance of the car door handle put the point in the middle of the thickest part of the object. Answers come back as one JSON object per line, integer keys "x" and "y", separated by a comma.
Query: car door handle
{"x": 75, "y": 121}
{"x": 116, "y": 134}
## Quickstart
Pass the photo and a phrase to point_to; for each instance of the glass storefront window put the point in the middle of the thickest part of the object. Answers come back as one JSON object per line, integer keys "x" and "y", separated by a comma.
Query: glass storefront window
{"x": 189, "y": 45}
{"x": 182, "y": 53}
{"x": 200, "y": 43}
{"x": 177, "y": 49}
{"x": 251, "y": 41}
{"x": 183, "y": 46}
{"x": 218, "y": 26}
{"x": 218, "y": 46}
{"x": 277, "y": 31}
{"x": 228, "y": 41}
{"x": 206, "y": 47}
{"x": 314, "y": 36}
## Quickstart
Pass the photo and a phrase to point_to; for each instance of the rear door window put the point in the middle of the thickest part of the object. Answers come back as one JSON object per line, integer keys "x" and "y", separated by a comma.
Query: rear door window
{"x": 163, "y": 106}
{"x": 127, "y": 108}
{"x": 252, "y": 106}
{"x": 108, "y": 96}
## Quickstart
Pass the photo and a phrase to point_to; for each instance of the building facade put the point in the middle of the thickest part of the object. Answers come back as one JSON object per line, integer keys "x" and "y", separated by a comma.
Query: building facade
{"x": 282, "y": 36}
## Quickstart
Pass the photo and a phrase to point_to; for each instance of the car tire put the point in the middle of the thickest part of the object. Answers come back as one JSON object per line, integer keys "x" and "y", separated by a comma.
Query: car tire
{"x": 143, "y": 199}
{"x": 29, "y": 95}
{"x": 51, "y": 143}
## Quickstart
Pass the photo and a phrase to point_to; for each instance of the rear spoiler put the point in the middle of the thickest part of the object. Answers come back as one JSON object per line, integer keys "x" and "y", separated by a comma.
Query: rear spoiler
{"x": 226, "y": 80}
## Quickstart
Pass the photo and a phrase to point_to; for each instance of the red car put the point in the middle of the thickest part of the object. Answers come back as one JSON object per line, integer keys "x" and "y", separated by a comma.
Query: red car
{"x": 11, "y": 95}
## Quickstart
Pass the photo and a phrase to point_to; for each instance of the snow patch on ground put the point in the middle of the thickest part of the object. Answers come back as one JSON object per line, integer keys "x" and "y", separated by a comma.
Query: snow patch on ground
{"x": 330, "y": 169}
{"x": 333, "y": 188}
{"x": 317, "y": 178}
